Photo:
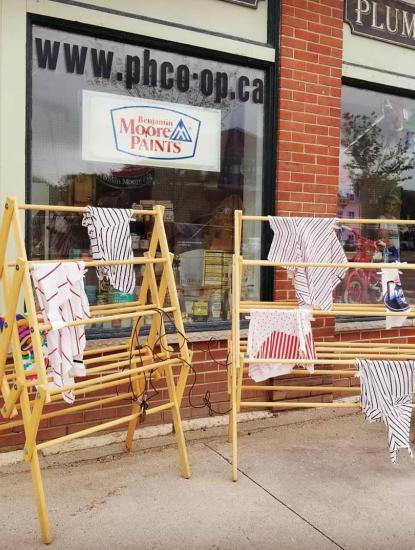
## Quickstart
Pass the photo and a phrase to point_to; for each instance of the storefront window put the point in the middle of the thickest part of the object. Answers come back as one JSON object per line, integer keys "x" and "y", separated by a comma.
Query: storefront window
{"x": 377, "y": 162}
{"x": 199, "y": 202}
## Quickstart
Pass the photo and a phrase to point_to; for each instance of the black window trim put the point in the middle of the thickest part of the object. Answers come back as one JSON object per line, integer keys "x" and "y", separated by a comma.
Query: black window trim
{"x": 270, "y": 127}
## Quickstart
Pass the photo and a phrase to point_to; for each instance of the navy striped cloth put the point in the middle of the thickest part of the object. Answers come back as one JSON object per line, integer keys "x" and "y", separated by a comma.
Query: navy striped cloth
{"x": 386, "y": 388}
{"x": 309, "y": 240}
{"x": 110, "y": 239}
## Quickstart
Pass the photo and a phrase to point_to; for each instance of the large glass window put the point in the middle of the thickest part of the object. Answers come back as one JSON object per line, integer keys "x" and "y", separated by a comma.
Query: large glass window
{"x": 199, "y": 203}
{"x": 377, "y": 161}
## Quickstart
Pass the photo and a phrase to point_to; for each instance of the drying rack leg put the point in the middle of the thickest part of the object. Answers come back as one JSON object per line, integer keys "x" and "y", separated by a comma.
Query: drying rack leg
{"x": 177, "y": 423}
{"x": 40, "y": 498}
{"x": 233, "y": 427}
{"x": 128, "y": 445}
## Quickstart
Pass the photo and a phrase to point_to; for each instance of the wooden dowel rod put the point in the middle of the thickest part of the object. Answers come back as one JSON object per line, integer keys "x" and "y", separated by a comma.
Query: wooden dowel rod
{"x": 70, "y": 409}
{"x": 126, "y": 304}
{"x": 97, "y": 387}
{"x": 347, "y": 221}
{"x": 79, "y": 209}
{"x": 108, "y": 318}
{"x": 351, "y": 265}
{"x": 100, "y": 427}
{"x": 85, "y": 406}
{"x": 297, "y": 405}
{"x": 369, "y": 355}
{"x": 328, "y": 389}
{"x": 346, "y": 313}
{"x": 255, "y": 361}
{"x": 92, "y": 351}
{"x": 108, "y": 377}
{"x": 122, "y": 355}
{"x": 97, "y": 263}
{"x": 362, "y": 344}
{"x": 95, "y": 403}
{"x": 292, "y": 303}
{"x": 116, "y": 366}
{"x": 318, "y": 372}
{"x": 351, "y": 345}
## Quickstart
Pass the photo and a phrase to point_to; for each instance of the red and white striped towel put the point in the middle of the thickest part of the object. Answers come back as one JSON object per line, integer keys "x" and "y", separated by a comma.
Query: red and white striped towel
{"x": 61, "y": 296}
{"x": 279, "y": 334}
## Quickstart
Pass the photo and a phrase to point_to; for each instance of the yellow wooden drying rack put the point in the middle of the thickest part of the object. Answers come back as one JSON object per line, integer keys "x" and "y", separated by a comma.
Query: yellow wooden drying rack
{"x": 25, "y": 401}
{"x": 338, "y": 354}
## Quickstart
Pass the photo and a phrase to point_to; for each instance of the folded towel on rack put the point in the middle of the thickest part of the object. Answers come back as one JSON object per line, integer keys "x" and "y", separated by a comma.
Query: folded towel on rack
{"x": 110, "y": 238}
{"x": 279, "y": 334}
{"x": 60, "y": 291}
{"x": 309, "y": 240}
{"x": 386, "y": 388}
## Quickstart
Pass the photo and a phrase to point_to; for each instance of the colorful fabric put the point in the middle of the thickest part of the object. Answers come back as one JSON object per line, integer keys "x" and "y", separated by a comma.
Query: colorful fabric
{"x": 26, "y": 347}
{"x": 386, "y": 388}
{"x": 309, "y": 240}
{"x": 279, "y": 334}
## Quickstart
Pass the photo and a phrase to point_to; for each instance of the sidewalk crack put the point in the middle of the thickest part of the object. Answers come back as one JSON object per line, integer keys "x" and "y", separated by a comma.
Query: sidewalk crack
{"x": 305, "y": 520}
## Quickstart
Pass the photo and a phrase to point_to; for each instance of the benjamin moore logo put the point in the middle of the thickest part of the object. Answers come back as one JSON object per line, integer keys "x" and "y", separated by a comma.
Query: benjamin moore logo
{"x": 152, "y": 132}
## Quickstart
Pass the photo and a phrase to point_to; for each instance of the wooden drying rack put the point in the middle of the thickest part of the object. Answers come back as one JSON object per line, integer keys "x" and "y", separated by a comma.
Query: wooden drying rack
{"x": 26, "y": 401}
{"x": 340, "y": 355}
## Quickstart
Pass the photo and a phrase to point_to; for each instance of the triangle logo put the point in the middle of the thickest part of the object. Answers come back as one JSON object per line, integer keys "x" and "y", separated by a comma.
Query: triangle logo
{"x": 180, "y": 133}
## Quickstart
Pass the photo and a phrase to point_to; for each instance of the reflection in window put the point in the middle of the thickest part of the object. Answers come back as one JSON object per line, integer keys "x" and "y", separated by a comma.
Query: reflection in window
{"x": 199, "y": 205}
{"x": 377, "y": 162}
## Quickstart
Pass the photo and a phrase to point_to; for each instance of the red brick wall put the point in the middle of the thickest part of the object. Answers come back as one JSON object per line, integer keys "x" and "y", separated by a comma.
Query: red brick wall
{"x": 309, "y": 107}
{"x": 309, "y": 118}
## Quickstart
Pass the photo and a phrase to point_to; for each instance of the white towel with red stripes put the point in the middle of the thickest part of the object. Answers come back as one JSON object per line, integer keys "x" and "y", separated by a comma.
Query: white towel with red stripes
{"x": 309, "y": 240}
{"x": 60, "y": 291}
{"x": 279, "y": 334}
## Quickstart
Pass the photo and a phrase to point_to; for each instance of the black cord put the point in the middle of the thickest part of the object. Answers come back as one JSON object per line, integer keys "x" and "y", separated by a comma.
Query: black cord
{"x": 143, "y": 398}
{"x": 206, "y": 402}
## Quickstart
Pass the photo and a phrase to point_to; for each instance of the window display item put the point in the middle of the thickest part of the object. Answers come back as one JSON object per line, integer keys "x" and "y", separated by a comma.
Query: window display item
{"x": 279, "y": 334}
{"x": 110, "y": 238}
{"x": 62, "y": 299}
{"x": 386, "y": 388}
{"x": 309, "y": 240}
{"x": 394, "y": 298}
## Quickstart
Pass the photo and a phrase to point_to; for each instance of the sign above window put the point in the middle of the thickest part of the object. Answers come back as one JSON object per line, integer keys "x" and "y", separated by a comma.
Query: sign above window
{"x": 131, "y": 130}
{"x": 386, "y": 20}
{"x": 248, "y": 3}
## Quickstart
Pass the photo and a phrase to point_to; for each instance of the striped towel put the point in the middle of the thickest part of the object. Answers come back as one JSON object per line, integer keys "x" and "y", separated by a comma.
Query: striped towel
{"x": 386, "y": 388}
{"x": 279, "y": 334}
{"x": 60, "y": 291}
{"x": 309, "y": 240}
{"x": 110, "y": 239}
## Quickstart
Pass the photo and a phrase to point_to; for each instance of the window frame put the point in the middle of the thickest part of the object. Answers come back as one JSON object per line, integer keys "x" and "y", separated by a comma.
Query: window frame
{"x": 269, "y": 131}
{"x": 381, "y": 88}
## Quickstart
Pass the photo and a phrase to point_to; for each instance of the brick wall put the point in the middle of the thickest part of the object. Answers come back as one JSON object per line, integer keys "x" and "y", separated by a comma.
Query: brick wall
{"x": 309, "y": 118}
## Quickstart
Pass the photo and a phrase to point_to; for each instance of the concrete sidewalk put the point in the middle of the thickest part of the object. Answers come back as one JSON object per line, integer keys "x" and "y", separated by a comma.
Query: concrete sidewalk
{"x": 307, "y": 481}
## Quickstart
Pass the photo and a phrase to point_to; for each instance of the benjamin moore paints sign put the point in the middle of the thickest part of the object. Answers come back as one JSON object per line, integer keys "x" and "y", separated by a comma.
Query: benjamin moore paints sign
{"x": 129, "y": 130}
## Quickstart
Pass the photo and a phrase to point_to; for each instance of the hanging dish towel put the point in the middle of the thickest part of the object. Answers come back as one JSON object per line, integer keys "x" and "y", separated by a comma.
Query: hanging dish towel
{"x": 393, "y": 297}
{"x": 279, "y": 334}
{"x": 386, "y": 388}
{"x": 60, "y": 291}
{"x": 309, "y": 240}
{"x": 110, "y": 238}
